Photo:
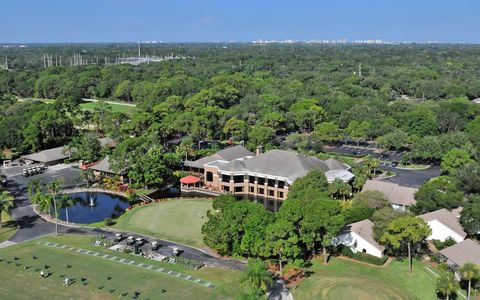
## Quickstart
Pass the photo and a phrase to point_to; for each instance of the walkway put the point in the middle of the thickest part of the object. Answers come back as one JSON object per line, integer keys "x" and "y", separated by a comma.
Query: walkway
{"x": 111, "y": 102}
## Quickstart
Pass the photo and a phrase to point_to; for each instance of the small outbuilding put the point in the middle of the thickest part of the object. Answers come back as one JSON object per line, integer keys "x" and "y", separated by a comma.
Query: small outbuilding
{"x": 190, "y": 181}
{"x": 459, "y": 254}
{"x": 444, "y": 224}
{"x": 102, "y": 168}
{"x": 359, "y": 237}
{"x": 400, "y": 197}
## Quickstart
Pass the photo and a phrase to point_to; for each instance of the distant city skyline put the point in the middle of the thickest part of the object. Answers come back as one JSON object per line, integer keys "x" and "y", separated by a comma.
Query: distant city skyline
{"x": 36, "y": 21}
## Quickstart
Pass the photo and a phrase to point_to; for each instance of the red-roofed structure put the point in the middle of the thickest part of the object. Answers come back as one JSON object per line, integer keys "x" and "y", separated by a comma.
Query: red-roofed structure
{"x": 190, "y": 180}
{"x": 86, "y": 166}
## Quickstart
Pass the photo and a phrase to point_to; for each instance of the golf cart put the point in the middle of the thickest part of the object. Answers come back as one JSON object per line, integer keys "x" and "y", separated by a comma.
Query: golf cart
{"x": 118, "y": 237}
{"x": 130, "y": 240}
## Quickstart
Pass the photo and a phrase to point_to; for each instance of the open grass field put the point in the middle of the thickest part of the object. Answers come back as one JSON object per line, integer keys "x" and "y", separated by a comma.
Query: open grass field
{"x": 115, "y": 107}
{"x": 353, "y": 281}
{"x": 9, "y": 227}
{"x": 178, "y": 220}
{"x": 21, "y": 278}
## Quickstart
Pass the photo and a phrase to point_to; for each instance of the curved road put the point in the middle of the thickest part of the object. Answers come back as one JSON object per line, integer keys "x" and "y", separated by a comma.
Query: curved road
{"x": 32, "y": 226}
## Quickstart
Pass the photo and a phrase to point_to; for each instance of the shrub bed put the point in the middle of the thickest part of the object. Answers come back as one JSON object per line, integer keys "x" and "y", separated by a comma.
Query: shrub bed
{"x": 188, "y": 263}
{"x": 364, "y": 257}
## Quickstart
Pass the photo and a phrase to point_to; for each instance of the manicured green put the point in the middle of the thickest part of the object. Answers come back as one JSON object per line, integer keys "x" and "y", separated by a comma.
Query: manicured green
{"x": 350, "y": 280}
{"x": 178, "y": 220}
{"x": 9, "y": 227}
{"x": 115, "y": 107}
{"x": 125, "y": 278}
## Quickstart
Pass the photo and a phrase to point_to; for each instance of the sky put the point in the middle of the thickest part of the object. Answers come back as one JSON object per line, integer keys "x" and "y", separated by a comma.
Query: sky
{"x": 450, "y": 21}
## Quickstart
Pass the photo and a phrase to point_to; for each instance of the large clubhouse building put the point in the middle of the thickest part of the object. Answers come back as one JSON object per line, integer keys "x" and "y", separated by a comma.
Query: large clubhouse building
{"x": 261, "y": 177}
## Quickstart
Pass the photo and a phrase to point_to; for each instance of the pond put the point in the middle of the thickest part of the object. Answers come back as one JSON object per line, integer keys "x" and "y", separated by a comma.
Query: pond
{"x": 90, "y": 207}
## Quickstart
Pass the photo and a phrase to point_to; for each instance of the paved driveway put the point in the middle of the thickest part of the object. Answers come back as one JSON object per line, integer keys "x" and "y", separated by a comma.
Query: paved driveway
{"x": 412, "y": 178}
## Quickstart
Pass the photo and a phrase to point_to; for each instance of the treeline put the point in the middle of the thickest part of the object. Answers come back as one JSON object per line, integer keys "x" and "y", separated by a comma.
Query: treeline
{"x": 299, "y": 97}
{"x": 256, "y": 93}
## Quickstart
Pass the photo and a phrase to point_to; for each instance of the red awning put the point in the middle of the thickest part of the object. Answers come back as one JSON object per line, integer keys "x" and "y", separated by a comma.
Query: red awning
{"x": 84, "y": 167}
{"x": 190, "y": 179}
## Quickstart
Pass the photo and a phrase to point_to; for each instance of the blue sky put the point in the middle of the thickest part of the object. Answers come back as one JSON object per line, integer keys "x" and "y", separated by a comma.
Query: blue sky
{"x": 239, "y": 20}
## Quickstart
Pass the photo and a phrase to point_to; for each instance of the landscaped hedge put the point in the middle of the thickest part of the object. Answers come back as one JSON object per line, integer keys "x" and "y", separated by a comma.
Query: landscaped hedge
{"x": 447, "y": 243}
{"x": 364, "y": 257}
{"x": 188, "y": 263}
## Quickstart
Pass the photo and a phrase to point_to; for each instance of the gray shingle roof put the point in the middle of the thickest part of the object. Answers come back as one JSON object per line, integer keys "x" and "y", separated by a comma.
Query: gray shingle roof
{"x": 104, "y": 166}
{"x": 279, "y": 163}
{"x": 364, "y": 229}
{"x": 395, "y": 193}
{"x": 226, "y": 154}
{"x": 463, "y": 252}
{"x": 447, "y": 218}
{"x": 49, "y": 155}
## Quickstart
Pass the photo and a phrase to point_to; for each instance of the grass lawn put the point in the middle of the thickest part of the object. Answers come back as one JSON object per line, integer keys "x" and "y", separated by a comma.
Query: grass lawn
{"x": 9, "y": 227}
{"x": 114, "y": 106}
{"x": 178, "y": 220}
{"x": 349, "y": 280}
{"x": 21, "y": 283}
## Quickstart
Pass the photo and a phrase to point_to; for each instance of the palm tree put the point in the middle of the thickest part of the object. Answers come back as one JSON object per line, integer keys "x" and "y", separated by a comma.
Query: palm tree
{"x": 335, "y": 187}
{"x": 469, "y": 272}
{"x": 64, "y": 202}
{"x": 345, "y": 190}
{"x": 446, "y": 284}
{"x": 44, "y": 202}
{"x": 6, "y": 203}
{"x": 359, "y": 182}
{"x": 33, "y": 187}
{"x": 54, "y": 189}
{"x": 257, "y": 276}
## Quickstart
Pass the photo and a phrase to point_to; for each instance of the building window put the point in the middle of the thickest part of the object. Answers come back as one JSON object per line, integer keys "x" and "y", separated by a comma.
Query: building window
{"x": 270, "y": 203}
{"x": 251, "y": 179}
{"x": 271, "y": 182}
{"x": 261, "y": 191}
{"x": 225, "y": 178}
{"x": 271, "y": 193}
{"x": 209, "y": 176}
{"x": 238, "y": 178}
{"x": 226, "y": 188}
{"x": 239, "y": 189}
{"x": 281, "y": 184}
{"x": 280, "y": 195}
{"x": 252, "y": 189}
{"x": 261, "y": 181}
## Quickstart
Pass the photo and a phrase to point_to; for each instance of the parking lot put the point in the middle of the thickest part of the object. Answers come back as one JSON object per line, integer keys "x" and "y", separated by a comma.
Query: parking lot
{"x": 385, "y": 155}
{"x": 69, "y": 173}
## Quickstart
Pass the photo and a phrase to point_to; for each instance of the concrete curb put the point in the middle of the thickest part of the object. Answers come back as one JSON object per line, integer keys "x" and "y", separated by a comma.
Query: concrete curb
{"x": 73, "y": 225}
{"x": 414, "y": 169}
